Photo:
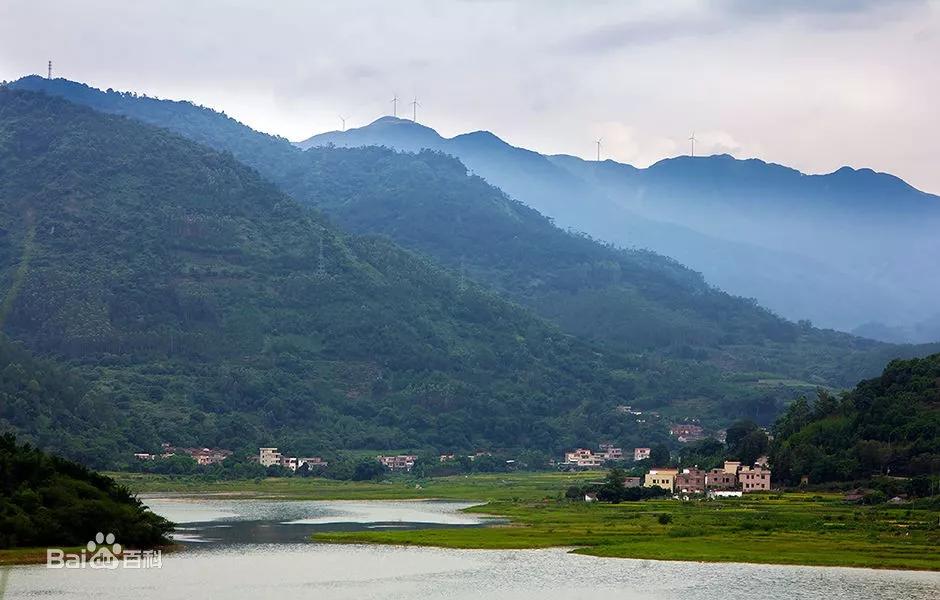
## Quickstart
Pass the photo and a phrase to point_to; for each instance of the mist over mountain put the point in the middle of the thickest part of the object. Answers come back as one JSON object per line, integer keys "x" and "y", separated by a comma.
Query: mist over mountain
{"x": 428, "y": 203}
{"x": 667, "y": 339}
{"x": 805, "y": 246}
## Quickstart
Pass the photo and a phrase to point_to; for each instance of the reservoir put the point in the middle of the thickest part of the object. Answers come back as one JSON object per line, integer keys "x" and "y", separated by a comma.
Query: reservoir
{"x": 249, "y": 549}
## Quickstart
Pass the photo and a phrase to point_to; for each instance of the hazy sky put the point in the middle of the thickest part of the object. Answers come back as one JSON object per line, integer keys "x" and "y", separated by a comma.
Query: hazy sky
{"x": 815, "y": 84}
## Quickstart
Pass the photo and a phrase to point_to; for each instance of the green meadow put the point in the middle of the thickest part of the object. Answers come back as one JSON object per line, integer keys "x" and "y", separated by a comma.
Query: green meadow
{"x": 786, "y": 528}
{"x": 780, "y": 529}
{"x": 484, "y": 487}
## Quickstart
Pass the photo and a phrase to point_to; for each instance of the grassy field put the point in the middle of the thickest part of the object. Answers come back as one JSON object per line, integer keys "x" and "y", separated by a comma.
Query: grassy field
{"x": 28, "y": 556}
{"x": 790, "y": 528}
{"x": 780, "y": 529}
{"x": 484, "y": 487}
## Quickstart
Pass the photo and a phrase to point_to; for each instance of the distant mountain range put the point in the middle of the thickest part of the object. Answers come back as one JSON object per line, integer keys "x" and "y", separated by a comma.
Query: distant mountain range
{"x": 853, "y": 250}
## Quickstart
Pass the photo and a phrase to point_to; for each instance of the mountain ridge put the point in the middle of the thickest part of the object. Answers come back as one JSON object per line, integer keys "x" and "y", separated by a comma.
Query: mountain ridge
{"x": 754, "y": 228}
{"x": 318, "y": 139}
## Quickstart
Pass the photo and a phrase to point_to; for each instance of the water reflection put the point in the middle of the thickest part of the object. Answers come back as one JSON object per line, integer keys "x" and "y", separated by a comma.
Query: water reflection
{"x": 253, "y": 521}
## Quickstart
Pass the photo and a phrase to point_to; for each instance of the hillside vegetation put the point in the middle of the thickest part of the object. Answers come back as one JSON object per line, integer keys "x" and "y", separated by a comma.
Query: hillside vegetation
{"x": 208, "y": 308}
{"x": 48, "y": 501}
{"x": 689, "y": 342}
{"x": 62, "y": 410}
{"x": 889, "y": 425}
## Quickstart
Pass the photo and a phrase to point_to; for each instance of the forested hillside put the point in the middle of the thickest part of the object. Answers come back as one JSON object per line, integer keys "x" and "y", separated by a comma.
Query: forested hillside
{"x": 628, "y": 300}
{"x": 60, "y": 409}
{"x": 208, "y": 308}
{"x": 889, "y": 425}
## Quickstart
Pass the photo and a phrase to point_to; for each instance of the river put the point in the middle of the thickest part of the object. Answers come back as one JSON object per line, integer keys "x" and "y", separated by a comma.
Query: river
{"x": 239, "y": 549}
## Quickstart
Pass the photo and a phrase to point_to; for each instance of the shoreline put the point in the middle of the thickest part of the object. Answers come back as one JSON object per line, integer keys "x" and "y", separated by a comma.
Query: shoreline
{"x": 791, "y": 528}
{"x": 18, "y": 557}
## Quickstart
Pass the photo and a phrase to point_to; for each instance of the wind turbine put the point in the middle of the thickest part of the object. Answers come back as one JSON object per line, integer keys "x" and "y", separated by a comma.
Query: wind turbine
{"x": 414, "y": 109}
{"x": 598, "y": 142}
{"x": 692, "y": 139}
{"x": 343, "y": 119}
{"x": 395, "y": 106}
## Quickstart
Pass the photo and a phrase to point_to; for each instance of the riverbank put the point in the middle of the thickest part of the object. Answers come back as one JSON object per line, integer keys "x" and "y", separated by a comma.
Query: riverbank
{"x": 37, "y": 556}
{"x": 791, "y": 528}
{"x": 27, "y": 556}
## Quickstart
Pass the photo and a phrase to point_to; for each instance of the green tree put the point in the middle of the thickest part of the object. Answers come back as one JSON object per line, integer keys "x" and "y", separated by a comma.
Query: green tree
{"x": 659, "y": 455}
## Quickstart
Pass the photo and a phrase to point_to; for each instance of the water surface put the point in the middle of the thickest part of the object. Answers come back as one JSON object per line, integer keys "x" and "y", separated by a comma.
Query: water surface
{"x": 255, "y": 549}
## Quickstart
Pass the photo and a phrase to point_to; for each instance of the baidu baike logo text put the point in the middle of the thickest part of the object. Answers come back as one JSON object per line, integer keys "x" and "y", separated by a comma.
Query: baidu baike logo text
{"x": 104, "y": 552}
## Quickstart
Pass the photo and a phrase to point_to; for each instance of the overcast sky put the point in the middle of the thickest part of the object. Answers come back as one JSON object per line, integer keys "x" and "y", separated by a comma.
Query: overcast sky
{"x": 815, "y": 84}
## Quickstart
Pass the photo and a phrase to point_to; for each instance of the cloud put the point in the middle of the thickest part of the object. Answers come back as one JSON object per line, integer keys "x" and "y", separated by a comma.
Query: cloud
{"x": 780, "y": 7}
{"x": 809, "y": 84}
{"x": 825, "y": 14}
{"x": 638, "y": 33}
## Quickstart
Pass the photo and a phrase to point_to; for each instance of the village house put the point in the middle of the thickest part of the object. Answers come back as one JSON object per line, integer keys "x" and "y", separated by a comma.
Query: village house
{"x": 583, "y": 458}
{"x": 732, "y": 476}
{"x": 144, "y": 456}
{"x": 208, "y": 456}
{"x": 641, "y": 453}
{"x": 687, "y": 432}
{"x": 167, "y": 450}
{"x": 719, "y": 479}
{"x": 311, "y": 462}
{"x": 632, "y": 482}
{"x": 610, "y": 452}
{"x": 754, "y": 479}
{"x": 269, "y": 456}
{"x": 202, "y": 456}
{"x": 448, "y": 457}
{"x": 664, "y": 478}
{"x": 401, "y": 462}
{"x": 855, "y": 495}
{"x": 691, "y": 481}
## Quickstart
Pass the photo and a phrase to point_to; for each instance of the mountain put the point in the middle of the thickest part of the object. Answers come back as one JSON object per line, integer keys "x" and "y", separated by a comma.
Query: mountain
{"x": 797, "y": 243}
{"x": 886, "y": 425}
{"x": 701, "y": 349}
{"x": 51, "y": 502}
{"x": 207, "y": 308}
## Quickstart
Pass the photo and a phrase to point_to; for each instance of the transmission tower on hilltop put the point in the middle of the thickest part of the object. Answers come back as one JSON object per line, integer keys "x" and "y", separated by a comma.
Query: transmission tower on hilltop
{"x": 321, "y": 263}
